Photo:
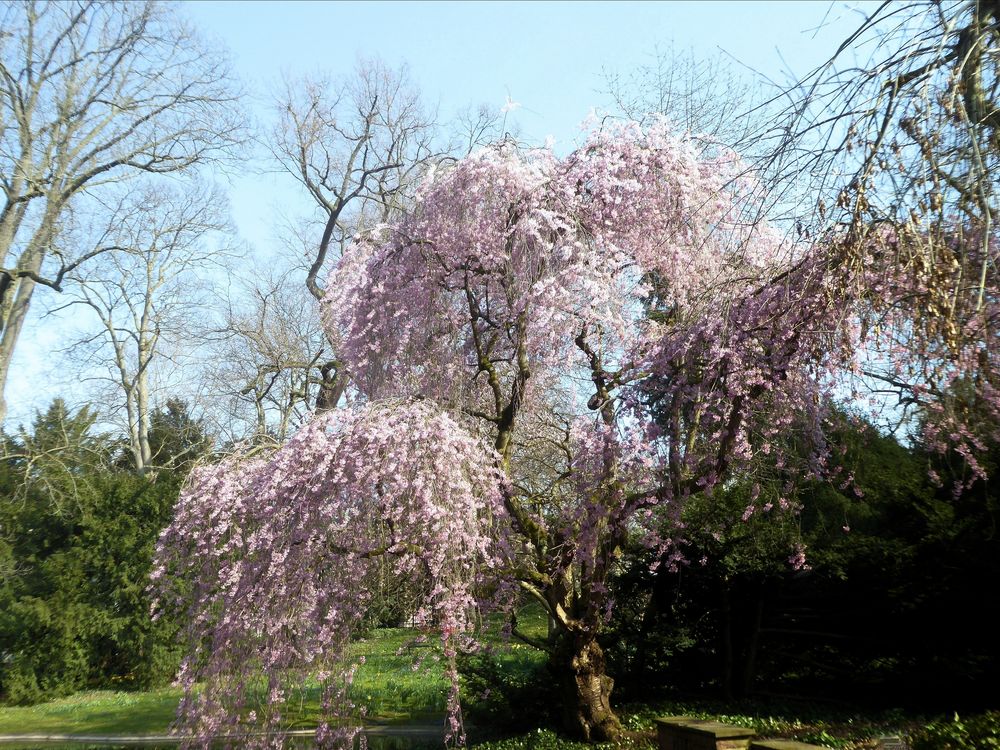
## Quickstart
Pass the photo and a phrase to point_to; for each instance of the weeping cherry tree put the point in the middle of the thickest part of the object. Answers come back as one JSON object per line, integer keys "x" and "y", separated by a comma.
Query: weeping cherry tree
{"x": 548, "y": 356}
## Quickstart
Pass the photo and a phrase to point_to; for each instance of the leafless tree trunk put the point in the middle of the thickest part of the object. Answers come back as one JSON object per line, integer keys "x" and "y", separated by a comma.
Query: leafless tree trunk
{"x": 145, "y": 296}
{"x": 357, "y": 147}
{"x": 91, "y": 93}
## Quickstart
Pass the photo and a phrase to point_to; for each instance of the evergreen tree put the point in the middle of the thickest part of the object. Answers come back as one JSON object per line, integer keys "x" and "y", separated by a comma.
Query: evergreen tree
{"x": 76, "y": 543}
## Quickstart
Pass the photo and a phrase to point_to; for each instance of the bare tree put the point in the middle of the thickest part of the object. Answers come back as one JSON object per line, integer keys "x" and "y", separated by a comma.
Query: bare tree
{"x": 901, "y": 133}
{"x": 721, "y": 106}
{"x": 91, "y": 93}
{"x": 147, "y": 297}
{"x": 357, "y": 146}
{"x": 903, "y": 117}
{"x": 704, "y": 96}
{"x": 267, "y": 357}
{"x": 478, "y": 126}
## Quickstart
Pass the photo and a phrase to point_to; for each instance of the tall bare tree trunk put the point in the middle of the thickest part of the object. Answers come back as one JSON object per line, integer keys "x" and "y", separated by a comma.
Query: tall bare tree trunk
{"x": 145, "y": 297}
{"x": 358, "y": 147}
{"x": 16, "y": 288}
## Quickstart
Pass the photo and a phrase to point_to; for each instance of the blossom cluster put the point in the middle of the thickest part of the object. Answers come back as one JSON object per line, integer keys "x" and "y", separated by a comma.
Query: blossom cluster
{"x": 510, "y": 250}
{"x": 266, "y": 556}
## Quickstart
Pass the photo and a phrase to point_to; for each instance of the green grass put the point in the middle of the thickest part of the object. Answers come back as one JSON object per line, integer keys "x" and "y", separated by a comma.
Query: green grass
{"x": 387, "y": 683}
{"x": 406, "y": 695}
{"x": 818, "y": 725}
{"x": 96, "y": 712}
{"x": 392, "y": 688}
{"x": 400, "y": 679}
{"x": 815, "y": 725}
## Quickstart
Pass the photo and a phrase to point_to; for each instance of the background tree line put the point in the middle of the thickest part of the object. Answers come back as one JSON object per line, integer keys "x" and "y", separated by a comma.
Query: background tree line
{"x": 894, "y": 608}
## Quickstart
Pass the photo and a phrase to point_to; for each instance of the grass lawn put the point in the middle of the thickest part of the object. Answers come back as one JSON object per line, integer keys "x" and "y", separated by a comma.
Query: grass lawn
{"x": 413, "y": 699}
{"x": 406, "y": 695}
{"x": 387, "y": 683}
{"x": 95, "y": 712}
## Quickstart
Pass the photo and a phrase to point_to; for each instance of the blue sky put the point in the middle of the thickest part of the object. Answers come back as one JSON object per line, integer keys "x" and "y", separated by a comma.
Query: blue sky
{"x": 551, "y": 57}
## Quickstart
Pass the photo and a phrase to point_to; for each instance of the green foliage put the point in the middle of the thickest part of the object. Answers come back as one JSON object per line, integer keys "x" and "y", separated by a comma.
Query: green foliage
{"x": 980, "y": 732}
{"x": 546, "y": 739}
{"x": 894, "y": 605}
{"x": 76, "y": 539}
{"x": 176, "y": 439}
{"x": 508, "y": 683}
{"x": 54, "y": 459}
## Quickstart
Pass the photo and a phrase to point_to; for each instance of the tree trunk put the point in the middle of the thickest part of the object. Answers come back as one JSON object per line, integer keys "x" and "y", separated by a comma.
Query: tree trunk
{"x": 331, "y": 388}
{"x": 11, "y": 322}
{"x": 578, "y": 667}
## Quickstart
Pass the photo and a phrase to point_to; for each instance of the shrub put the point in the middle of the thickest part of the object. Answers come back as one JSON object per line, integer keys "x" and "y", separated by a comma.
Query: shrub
{"x": 981, "y": 732}
{"x": 503, "y": 691}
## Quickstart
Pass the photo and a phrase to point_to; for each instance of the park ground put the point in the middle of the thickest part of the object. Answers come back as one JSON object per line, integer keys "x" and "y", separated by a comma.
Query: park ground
{"x": 398, "y": 693}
